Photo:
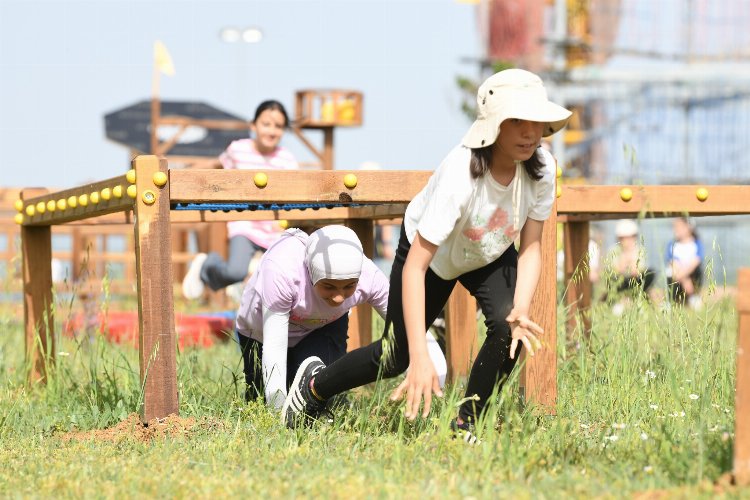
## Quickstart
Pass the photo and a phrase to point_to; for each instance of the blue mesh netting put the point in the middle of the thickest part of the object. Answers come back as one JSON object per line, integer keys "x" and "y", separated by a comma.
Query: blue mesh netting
{"x": 240, "y": 207}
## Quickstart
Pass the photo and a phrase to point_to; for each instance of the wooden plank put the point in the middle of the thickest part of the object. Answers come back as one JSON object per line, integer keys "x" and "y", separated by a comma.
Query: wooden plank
{"x": 157, "y": 339}
{"x": 539, "y": 372}
{"x": 460, "y": 332}
{"x": 578, "y": 284}
{"x": 741, "y": 467}
{"x": 665, "y": 201}
{"x": 289, "y": 186}
{"x": 79, "y": 212}
{"x": 38, "y": 307}
{"x": 360, "y": 319}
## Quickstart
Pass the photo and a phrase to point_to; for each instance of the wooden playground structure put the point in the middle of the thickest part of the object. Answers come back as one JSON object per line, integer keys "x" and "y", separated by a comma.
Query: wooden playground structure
{"x": 159, "y": 197}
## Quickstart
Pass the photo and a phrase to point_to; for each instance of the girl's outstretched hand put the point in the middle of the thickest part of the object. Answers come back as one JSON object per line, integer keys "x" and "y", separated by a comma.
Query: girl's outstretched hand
{"x": 421, "y": 382}
{"x": 523, "y": 330}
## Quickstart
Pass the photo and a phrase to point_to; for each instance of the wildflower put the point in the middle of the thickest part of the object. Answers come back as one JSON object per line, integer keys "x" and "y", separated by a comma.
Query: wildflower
{"x": 726, "y": 410}
{"x": 585, "y": 426}
{"x": 725, "y": 436}
{"x": 715, "y": 405}
{"x": 694, "y": 397}
{"x": 688, "y": 380}
{"x": 644, "y": 436}
{"x": 619, "y": 426}
{"x": 613, "y": 438}
{"x": 63, "y": 353}
{"x": 650, "y": 374}
{"x": 653, "y": 406}
{"x": 648, "y": 469}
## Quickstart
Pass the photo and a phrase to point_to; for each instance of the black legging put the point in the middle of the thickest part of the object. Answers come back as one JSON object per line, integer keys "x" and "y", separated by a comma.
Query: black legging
{"x": 327, "y": 342}
{"x": 492, "y": 285}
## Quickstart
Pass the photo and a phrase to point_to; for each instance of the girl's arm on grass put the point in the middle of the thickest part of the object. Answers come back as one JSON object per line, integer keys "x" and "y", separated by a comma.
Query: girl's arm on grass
{"x": 275, "y": 344}
{"x": 529, "y": 268}
{"x": 421, "y": 380}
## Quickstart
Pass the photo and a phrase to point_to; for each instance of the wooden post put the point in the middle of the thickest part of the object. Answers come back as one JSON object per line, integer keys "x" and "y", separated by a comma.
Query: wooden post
{"x": 327, "y": 160}
{"x": 360, "y": 319}
{"x": 539, "y": 376}
{"x": 460, "y": 332}
{"x": 36, "y": 247}
{"x": 157, "y": 340}
{"x": 218, "y": 242}
{"x": 742, "y": 388}
{"x": 578, "y": 294}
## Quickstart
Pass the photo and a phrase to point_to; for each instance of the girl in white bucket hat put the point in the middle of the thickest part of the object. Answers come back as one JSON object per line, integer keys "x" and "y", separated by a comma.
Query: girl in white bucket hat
{"x": 497, "y": 185}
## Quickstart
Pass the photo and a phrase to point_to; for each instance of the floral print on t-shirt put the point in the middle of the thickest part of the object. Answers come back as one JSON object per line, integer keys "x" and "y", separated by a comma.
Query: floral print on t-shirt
{"x": 485, "y": 232}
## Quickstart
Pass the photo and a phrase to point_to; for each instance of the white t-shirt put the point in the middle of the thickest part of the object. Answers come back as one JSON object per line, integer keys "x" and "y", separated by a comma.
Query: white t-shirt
{"x": 472, "y": 220}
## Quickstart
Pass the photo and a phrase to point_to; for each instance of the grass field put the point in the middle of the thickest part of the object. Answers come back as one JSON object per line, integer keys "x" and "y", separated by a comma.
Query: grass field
{"x": 647, "y": 407}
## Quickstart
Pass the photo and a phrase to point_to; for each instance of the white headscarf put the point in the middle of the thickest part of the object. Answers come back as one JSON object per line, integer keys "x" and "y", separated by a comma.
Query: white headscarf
{"x": 333, "y": 252}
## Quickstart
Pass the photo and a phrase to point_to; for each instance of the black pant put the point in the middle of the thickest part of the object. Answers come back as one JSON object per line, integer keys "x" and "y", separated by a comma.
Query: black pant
{"x": 677, "y": 292}
{"x": 328, "y": 343}
{"x": 492, "y": 285}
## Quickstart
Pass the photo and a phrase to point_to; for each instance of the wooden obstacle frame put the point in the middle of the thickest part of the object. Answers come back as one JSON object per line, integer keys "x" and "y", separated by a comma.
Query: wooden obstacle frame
{"x": 151, "y": 191}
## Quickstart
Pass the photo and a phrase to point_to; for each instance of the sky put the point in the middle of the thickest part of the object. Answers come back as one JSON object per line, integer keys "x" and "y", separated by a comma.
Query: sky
{"x": 65, "y": 64}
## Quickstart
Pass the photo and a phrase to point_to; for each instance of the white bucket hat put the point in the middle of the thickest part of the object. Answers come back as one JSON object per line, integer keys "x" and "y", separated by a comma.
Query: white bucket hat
{"x": 513, "y": 93}
{"x": 626, "y": 228}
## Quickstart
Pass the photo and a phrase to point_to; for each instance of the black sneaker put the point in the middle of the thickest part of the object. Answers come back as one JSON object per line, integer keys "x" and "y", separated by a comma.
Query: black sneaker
{"x": 300, "y": 406}
{"x": 464, "y": 431}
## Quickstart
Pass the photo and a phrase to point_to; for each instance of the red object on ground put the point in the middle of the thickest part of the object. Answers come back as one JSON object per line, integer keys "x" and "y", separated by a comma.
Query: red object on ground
{"x": 122, "y": 327}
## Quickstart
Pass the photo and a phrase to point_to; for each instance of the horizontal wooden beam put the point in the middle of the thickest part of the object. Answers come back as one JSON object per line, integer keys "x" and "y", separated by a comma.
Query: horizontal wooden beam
{"x": 387, "y": 211}
{"x": 111, "y": 196}
{"x": 296, "y": 186}
{"x": 584, "y": 202}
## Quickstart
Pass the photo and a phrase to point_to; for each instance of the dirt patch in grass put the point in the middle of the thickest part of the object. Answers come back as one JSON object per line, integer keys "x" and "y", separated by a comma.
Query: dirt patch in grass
{"x": 721, "y": 487}
{"x": 132, "y": 428}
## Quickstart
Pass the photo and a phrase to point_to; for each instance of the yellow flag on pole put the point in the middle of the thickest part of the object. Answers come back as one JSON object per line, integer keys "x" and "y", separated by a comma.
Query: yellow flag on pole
{"x": 162, "y": 59}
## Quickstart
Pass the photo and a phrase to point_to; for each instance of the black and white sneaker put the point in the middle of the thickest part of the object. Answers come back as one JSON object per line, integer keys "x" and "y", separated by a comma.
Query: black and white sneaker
{"x": 300, "y": 405}
{"x": 465, "y": 432}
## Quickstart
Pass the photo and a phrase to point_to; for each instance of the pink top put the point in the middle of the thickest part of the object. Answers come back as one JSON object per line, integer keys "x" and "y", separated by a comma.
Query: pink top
{"x": 282, "y": 284}
{"x": 241, "y": 154}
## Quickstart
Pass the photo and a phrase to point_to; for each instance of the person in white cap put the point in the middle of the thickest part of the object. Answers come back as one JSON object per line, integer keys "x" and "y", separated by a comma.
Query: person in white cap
{"x": 297, "y": 302}
{"x": 497, "y": 185}
{"x": 631, "y": 274}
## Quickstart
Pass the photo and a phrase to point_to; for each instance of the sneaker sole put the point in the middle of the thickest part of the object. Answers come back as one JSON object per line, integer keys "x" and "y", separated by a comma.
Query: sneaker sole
{"x": 295, "y": 383}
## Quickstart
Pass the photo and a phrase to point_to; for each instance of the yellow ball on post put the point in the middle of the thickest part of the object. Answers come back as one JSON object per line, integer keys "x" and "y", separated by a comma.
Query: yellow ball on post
{"x": 261, "y": 180}
{"x": 626, "y": 194}
{"x": 51, "y": 206}
{"x": 160, "y": 179}
{"x": 284, "y": 224}
{"x": 350, "y": 181}
{"x": 106, "y": 194}
{"x": 94, "y": 197}
{"x": 18, "y": 218}
{"x": 701, "y": 194}
{"x": 19, "y": 205}
{"x": 130, "y": 176}
{"x": 41, "y": 207}
{"x": 30, "y": 210}
{"x": 72, "y": 201}
{"x": 132, "y": 191}
{"x": 559, "y": 172}
{"x": 117, "y": 191}
{"x": 559, "y": 190}
{"x": 83, "y": 200}
{"x": 62, "y": 204}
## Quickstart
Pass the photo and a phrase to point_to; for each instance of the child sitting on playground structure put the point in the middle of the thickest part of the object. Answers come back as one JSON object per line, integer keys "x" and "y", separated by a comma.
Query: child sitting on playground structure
{"x": 245, "y": 237}
{"x": 684, "y": 257}
{"x": 630, "y": 271}
{"x": 498, "y": 184}
{"x": 296, "y": 305}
